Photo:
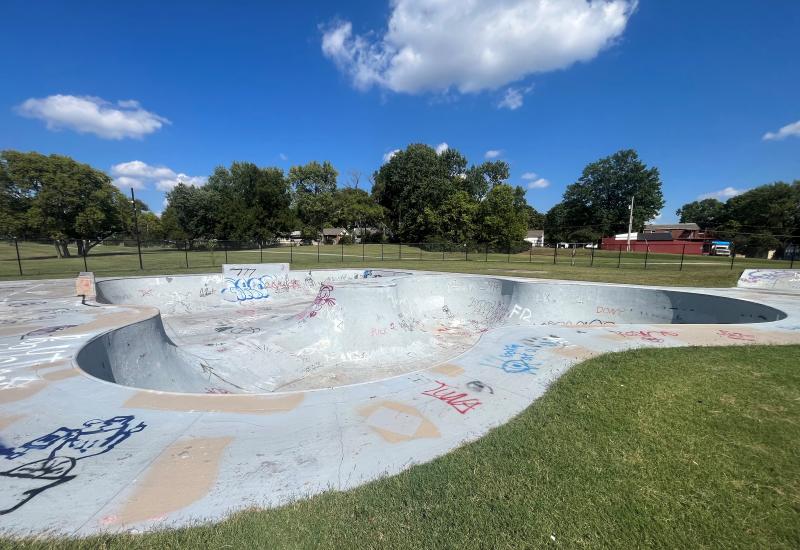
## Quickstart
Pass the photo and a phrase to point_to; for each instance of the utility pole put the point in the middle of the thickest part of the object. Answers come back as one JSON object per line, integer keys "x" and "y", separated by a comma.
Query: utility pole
{"x": 136, "y": 224}
{"x": 630, "y": 224}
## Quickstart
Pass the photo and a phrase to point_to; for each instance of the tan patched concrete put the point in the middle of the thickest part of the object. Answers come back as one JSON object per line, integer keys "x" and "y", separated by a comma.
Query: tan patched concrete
{"x": 396, "y": 422}
{"x": 448, "y": 369}
{"x": 180, "y": 476}
{"x": 245, "y": 404}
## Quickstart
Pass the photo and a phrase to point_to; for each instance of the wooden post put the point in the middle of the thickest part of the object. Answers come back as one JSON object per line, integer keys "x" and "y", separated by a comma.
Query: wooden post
{"x": 19, "y": 261}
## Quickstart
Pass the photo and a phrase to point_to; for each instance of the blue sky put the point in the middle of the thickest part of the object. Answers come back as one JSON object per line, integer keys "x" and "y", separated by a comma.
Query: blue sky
{"x": 693, "y": 86}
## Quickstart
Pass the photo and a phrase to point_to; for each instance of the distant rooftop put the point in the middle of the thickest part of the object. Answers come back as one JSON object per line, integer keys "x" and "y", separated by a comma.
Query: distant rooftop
{"x": 671, "y": 226}
{"x": 333, "y": 231}
{"x": 535, "y": 233}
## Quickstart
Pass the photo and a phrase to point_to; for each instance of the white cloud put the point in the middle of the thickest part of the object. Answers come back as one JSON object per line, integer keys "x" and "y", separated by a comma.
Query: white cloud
{"x": 540, "y": 183}
{"x": 534, "y": 181}
{"x": 125, "y": 183}
{"x": 93, "y": 115}
{"x": 513, "y": 98}
{"x": 492, "y": 153}
{"x": 138, "y": 173}
{"x": 792, "y": 129}
{"x": 472, "y": 45}
{"x": 388, "y": 156}
{"x": 442, "y": 147}
{"x": 722, "y": 194}
{"x": 283, "y": 156}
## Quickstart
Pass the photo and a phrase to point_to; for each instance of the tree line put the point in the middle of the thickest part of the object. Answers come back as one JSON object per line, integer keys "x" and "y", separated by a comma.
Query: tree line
{"x": 418, "y": 196}
{"x": 756, "y": 221}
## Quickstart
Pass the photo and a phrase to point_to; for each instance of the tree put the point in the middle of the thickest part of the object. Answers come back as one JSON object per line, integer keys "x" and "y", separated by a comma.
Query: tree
{"x": 555, "y": 224}
{"x": 60, "y": 198}
{"x": 706, "y": 213}
{"x": 503, "y": 217}
{"x": 195, "y": 210}
{"x": 601, "y": 197}
{"x": 769, "y": 215}
{"x": 535, "y": 218}
{"x": 314, "y": 185}
{"x": 352, "y": 207}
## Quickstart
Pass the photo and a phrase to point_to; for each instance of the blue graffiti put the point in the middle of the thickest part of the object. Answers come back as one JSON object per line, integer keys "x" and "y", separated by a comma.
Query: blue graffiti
{"x": 241, "y": 290}
{"x": 55, "y": 456}
{"x": 521, "y": 357}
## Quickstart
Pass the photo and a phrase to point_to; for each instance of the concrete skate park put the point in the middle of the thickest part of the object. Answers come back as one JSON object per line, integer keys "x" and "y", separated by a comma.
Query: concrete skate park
{"x": 141, "y": 403}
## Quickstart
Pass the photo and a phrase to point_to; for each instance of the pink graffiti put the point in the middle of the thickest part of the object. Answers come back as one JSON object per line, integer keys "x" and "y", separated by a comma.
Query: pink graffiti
{"x": 323, "y": 299}
{"x": 737, "y": 335}
{"x": 647, "y": 335}
{"x": 453, "y": 398}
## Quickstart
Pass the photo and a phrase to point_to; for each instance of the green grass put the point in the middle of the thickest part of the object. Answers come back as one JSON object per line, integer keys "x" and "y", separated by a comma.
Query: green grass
{"x": 672, "y": 448}
{"x": 39, "y": 261}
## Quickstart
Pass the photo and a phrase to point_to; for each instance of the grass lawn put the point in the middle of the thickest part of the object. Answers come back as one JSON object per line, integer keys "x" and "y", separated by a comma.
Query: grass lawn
{"x": 672, "y": 448}
{"x": 39, "y": 261}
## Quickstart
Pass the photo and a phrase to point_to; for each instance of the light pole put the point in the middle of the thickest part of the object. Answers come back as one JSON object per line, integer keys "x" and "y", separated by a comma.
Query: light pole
{"x": 630, "y": 224}
{"x": 136, "y": 225}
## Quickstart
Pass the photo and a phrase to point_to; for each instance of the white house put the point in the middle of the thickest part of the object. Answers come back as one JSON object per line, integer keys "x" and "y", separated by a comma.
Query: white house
{"x": 535, "y": 237}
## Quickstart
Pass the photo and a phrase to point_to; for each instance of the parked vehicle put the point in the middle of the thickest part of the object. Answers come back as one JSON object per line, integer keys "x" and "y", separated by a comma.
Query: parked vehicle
{"x": 720, "y": 248}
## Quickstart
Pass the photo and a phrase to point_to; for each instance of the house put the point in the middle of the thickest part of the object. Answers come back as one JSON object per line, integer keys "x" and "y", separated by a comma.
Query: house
{"x": 535, "y": 237}
{"x": 679, "y": 231}
{"x": 332, "y": 235}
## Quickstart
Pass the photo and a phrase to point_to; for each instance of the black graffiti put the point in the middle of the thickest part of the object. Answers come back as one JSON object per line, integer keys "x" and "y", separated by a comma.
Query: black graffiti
{"x": 477, "y": 385}
{"x": 238, "y": 330}
{"x": 62, "y": 448}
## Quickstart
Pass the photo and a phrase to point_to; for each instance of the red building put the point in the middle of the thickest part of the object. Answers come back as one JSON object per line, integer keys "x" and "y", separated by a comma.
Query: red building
{"x": 679, "y": 238}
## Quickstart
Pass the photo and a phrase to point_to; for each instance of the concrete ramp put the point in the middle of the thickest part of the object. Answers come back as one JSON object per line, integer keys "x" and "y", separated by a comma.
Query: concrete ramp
{"x": 783, "y": 280}
{"x": 310, "y": 330}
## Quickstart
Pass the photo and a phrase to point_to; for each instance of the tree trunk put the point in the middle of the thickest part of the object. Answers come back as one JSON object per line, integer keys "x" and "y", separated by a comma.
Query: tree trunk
{"x": 81, "y": 247}
{"x": 63, "y": 246}
{"x": 58, "y": 249}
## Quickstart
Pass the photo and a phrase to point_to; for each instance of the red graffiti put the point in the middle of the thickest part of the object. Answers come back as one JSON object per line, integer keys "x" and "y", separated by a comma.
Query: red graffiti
{"x": 647, "y": 335}
{"x": 461, "y": 402}
{"x": 737, "y": 335}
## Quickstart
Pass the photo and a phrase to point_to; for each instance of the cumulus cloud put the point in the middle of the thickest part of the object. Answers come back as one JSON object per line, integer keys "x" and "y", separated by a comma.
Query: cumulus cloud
{"x": 472, "y": 45}
{"x": 513, "y": 98}
{"x": 492, "y": 154}
{"x": 792, "y": 129}
{"x": 442, "y": 147}
{"x": 534, "y": 181}
{"x": 138, "y": 174}
{"x": 283, "y": 156}
{"x": 388, "y": 156}
{"x": 93, "y": 115}
{"x": 722, "y": 194}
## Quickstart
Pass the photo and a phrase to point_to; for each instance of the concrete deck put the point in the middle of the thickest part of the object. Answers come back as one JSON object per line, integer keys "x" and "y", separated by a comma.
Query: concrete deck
{"x": 183, "y": 399}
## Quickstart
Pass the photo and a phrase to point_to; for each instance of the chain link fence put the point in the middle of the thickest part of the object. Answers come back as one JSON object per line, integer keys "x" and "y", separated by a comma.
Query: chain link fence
{"x": 43, "y": 258}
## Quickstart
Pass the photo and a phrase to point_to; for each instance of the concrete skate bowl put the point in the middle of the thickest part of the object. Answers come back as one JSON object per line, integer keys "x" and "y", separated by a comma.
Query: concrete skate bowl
{"x": 311, "y": 330}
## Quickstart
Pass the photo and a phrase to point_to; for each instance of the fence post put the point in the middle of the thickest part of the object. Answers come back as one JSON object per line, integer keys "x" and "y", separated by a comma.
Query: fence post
{"x": 591, "y": 263}
{"x": 555, "y": 253}
{"x": 486, "y": 259}
{"x": 791, "y": 261}
{"x": 619, "y": 258}
{"x": 683, "y": 253}
{"x": 136, "y": 224}
{"x": 291, "y": 252}
{"x": 400, "y": 251}
{"x": 19, "y": 261}
{"x": 733, "y": 255}
{"x": 646, "y": 253}
{"x": 508, "y": 252}
{"x": 86, "y": 267}
{"x": 342, "y": 243}
{"x": 466, "y": 252}
{"x": 530, "y": 255}
{"x": 381, "y": 250}
{"x": 363, "y": 247}
{"x": 260, "y": 252}
{"x": 186, "y": 253}
{"x": 318, "y": 243}
{"x": 225, "y": 247}
{"x": 442, "y": 251}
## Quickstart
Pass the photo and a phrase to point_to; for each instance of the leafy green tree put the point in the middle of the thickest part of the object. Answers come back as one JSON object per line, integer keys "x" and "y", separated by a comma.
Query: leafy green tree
{"x": 767, "y": 216}
{"x": 313, "y": 178}
{"x": 535, "y": 218}
{"x": 252, "y": 202}
{"x": 57, "y": 197}
{"x": 195, "y": 211}
{"x": 353, "y": 208}
{"x": 706, "y": 213}
{"x": 601, "y": 197}
{"x": 503, "y": 217}
{"x": 456, "y": 218}
{"x": 313, "y": 186}
{"x": 555, "y": 224}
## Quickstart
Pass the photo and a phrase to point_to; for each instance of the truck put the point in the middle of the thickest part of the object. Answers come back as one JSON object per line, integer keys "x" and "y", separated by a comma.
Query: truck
{"x": 720, "y": 248}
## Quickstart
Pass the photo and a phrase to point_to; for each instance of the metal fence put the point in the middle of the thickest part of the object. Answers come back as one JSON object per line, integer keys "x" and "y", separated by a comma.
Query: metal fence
{"x": 27, "y": 258}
